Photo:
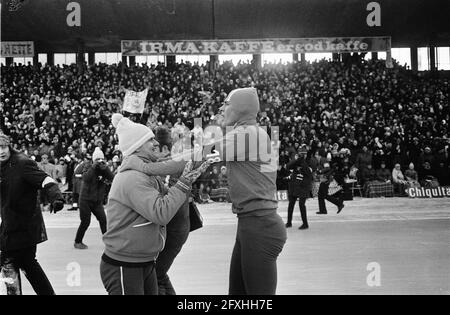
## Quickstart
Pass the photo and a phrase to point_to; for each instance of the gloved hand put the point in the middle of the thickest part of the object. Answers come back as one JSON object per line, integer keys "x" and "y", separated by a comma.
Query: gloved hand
{"x": 132, "y": 162}
{"x": 55, "y": 197}
{"x": 190, "y": 175}
{"x": 56, "y": 206}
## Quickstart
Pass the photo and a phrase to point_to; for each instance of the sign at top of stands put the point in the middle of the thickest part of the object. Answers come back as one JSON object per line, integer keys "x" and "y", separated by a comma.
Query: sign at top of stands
{"x": 17, "y": 49}
{"x": 266, "y": 46}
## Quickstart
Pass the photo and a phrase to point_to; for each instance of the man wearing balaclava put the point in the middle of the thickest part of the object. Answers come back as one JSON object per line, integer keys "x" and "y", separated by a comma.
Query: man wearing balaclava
{"x": 252, "y": 174}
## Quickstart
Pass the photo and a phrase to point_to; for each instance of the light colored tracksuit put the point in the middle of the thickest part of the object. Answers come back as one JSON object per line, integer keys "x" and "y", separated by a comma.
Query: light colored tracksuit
{"x": 138, "y": 210}
{"x": 252, "y": 174}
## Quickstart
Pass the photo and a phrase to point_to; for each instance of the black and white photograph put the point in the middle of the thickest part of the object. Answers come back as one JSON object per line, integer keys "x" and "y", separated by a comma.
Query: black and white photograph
{"x": 225, "y": 152}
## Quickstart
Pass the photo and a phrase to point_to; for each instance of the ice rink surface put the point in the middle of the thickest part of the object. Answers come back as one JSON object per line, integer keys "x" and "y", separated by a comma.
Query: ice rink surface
{"x": 409, "y": 239}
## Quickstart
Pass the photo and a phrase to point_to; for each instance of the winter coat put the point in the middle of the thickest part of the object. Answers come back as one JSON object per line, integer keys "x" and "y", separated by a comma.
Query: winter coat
{"x": 363, "y": 159}
{"x": 95, "y": 182}
{"x": 383, "y": 174}
{"x": 80, "y": 169}
{"x": 22, "y": 223}
{"x": 300, "y": 179}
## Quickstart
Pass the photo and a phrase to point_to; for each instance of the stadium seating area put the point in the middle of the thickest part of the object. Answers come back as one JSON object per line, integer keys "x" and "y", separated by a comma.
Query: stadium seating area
{"x": 347, "y": 115}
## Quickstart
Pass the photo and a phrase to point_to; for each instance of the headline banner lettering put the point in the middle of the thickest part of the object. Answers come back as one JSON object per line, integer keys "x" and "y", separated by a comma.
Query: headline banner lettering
{"x": 266, "y": 46}
{"x": 438, "y": 192}
{"x": 17, "y": 49}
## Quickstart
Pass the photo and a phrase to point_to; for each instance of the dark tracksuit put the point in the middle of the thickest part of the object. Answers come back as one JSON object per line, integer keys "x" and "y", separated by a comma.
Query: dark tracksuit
{"x": 22, "y": 226}
{"x": 93, "y": 189}
{"x": 300, "y": 186}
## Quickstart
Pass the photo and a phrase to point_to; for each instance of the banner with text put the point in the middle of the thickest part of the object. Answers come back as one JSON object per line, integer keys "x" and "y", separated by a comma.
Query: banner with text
{"x": 438, "y": 192}
{"x": 17, "y": 49}
{"x": 266, "y": 46}
{"x": 134, "y": 102}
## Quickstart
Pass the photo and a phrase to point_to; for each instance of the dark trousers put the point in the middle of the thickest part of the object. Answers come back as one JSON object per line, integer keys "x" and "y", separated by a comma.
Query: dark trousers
{"x": 25, "y": 259}
{"x": 129, "y": 281}
{"x": 336, "y": 199}
{"x": 177, "y": 235}
{"x": 302, "y": 204}
{"x": 86, "y": 208}
{"x": 259, "y": 241}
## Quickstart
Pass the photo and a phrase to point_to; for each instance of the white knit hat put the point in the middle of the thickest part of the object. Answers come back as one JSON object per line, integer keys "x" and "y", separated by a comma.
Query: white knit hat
{"x": 98, "y": 154}
{"x": 131, "y": 135}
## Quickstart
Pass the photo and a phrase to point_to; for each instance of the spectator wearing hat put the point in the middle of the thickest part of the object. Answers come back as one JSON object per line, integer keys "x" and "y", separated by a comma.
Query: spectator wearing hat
{"x": 300, "y": 187}
{"x": 139, "y": 208}
{"x": 399, "y": 180}
{"x": 92, "y": 195}
{"x": 412, "y": 176}
{"x": 383, "y": 174}
{"x": 179, "y": 226}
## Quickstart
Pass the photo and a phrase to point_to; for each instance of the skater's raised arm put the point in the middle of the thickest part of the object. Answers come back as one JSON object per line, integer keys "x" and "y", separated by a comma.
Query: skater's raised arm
{"x": 142, "y": 196}
{"x": 163, "y": 168}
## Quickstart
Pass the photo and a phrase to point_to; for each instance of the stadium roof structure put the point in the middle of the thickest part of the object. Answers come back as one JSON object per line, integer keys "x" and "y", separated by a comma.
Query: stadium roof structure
{"x": 100, "y": 25}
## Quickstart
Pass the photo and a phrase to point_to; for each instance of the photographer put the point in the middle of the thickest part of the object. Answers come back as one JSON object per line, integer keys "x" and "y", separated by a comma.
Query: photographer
{"x": 300, "y": 187}
{"x": 22, "y": 226}
{"x": 93, "y": 190}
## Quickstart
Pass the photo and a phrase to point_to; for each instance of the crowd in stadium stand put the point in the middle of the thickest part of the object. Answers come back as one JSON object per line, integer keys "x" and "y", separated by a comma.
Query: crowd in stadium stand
{"x": 370, "y": 124}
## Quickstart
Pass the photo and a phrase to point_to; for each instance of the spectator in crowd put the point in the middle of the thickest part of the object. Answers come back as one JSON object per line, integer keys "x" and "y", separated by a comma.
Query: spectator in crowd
{"x": 47, "y": 166}
{"x": 368, "y": 175}
{"x": 348, "y": 104}
{"x": 399, "y": 180}
{"x": 330, "y": 190}
{"x": 412, "y": 176}
{"x": 383, "y": 174}
{"x": 443, "y": 174}
{"x": 80, "y": 168}
{"x": 60, "y": 171}
{"x": 364, "y": 159}
{"x": 49, "y": 169}
{"x": 427, "y": 176}
{"x": 203, "y": 195}
{"x": 92, "y": 195}
{"x": 300, "y": 187}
